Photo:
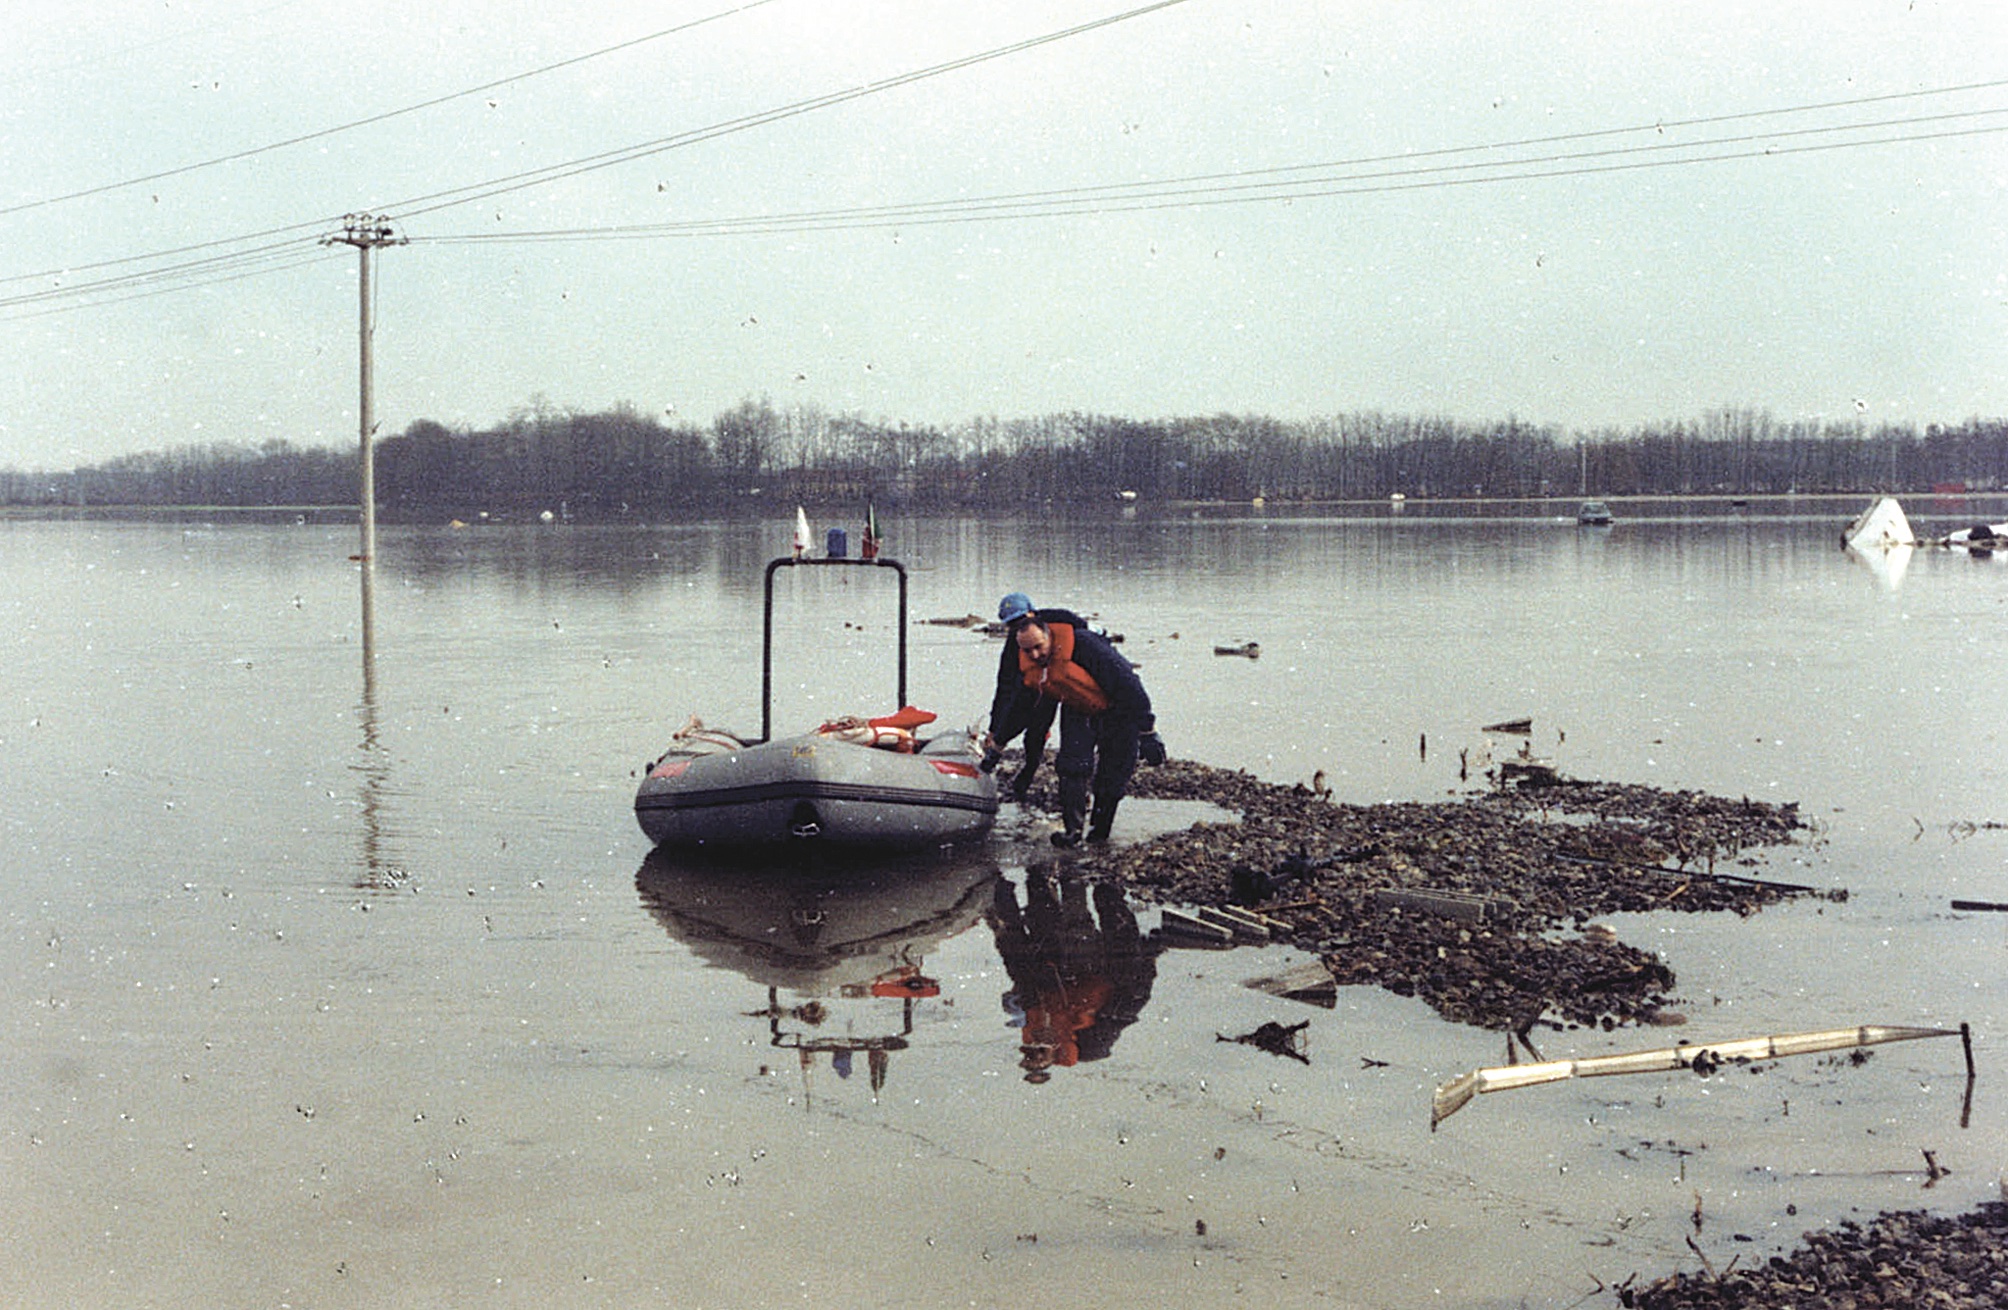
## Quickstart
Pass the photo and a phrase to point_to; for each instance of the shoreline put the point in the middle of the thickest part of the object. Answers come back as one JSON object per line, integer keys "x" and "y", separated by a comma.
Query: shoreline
{"x": 1540, "y": 862}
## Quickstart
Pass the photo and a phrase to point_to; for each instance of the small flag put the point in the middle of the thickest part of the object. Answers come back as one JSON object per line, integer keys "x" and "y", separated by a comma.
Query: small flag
{"x": 869, "y": 547}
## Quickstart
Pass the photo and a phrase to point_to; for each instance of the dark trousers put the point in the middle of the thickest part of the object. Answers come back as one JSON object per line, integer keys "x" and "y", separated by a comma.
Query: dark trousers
{"x": 1103, "y": 747}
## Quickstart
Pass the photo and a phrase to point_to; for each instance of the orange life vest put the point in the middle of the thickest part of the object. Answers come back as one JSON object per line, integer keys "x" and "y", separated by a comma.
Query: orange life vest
{"x": 1061, "y": 678}
{"x": 1054, "y": 1023}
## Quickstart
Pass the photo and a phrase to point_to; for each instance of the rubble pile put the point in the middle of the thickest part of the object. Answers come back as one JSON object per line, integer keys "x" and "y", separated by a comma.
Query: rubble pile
{"x": 1482, "y": 905}
{"x": 1900, "y": 1261}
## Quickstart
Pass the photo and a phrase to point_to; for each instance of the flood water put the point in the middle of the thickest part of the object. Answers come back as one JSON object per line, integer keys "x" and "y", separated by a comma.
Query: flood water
{"x": 344, "y": 982}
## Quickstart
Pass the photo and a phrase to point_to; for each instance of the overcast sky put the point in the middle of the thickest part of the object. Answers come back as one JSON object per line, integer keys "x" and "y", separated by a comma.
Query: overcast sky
{"x": 1576, "y": 213}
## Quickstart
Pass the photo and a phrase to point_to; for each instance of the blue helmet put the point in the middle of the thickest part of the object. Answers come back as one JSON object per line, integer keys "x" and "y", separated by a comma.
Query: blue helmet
{"x": 1014, "y": 607}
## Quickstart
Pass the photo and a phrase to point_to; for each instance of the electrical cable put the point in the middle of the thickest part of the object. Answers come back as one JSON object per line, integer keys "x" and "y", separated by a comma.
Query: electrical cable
{"x": 383, "y": 117}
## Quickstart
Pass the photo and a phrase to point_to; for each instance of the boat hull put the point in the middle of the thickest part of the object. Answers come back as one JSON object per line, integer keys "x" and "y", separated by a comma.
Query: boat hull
{"x": 814, "y": 789}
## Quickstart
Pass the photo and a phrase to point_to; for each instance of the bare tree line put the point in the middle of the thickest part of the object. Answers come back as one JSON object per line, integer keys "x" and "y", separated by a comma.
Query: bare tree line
{"x": 624, "y": 464}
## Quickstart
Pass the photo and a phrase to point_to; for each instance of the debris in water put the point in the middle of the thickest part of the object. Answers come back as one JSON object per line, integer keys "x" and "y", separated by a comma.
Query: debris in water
{"x": 1275, "y": 1038}
{"x": 1311, "y": 982}
{"x": 1702, "y": 1058}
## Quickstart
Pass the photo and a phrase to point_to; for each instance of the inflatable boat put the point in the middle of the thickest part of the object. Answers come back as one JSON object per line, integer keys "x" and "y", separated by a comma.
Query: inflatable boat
{"x": 885, "y": 783}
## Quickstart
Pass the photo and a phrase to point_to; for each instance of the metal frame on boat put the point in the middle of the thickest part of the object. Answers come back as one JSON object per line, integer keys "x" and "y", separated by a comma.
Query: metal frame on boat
{"x": 869, "y": 784}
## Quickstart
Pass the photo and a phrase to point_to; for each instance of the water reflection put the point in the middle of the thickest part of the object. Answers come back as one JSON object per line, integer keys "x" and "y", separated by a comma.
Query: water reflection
{"x": 1080, "y": 970}
{"x": 840, "y": 951}
{"x": 372, "y": 764}
{"x": 1887, "y": 564}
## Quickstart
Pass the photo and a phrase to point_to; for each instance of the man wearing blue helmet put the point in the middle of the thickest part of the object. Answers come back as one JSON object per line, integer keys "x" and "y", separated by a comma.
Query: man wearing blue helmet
{"x": 1106, "y": 724}
{"x": 1015, "y": 708}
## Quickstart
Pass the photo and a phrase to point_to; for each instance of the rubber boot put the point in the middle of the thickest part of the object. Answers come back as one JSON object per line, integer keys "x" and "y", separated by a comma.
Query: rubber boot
{"x": 1103, "y": 820}
{"x": 1073, "y": 810}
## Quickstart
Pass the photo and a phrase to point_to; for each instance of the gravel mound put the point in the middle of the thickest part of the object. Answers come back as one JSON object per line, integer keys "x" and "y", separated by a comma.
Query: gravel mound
{"x": 1907, "y": 1260}
{"x": 1483, "y": 906}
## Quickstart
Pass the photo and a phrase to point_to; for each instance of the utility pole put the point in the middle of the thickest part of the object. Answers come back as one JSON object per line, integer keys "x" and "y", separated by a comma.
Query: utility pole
{"x": 366, "y": 232}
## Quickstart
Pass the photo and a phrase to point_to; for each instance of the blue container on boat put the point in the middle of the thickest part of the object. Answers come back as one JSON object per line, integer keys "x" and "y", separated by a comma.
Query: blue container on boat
{"x": 835, "y": 544}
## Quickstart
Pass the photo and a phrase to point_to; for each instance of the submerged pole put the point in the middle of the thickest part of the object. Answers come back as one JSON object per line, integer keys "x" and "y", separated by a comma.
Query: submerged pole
{"x": 366, "y": 232}
{"x": 366, "y": 408}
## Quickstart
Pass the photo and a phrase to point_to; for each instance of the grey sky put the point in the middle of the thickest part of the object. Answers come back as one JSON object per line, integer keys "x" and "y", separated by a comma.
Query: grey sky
{"x": 1629, "y": 285}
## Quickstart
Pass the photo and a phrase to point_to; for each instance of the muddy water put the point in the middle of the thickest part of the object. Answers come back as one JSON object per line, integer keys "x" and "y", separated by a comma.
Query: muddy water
{"x": 341, "y": 982}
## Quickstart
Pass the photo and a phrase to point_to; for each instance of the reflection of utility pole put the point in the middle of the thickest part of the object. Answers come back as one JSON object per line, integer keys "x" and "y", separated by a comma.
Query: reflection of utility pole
{"x": 366, "y": 232}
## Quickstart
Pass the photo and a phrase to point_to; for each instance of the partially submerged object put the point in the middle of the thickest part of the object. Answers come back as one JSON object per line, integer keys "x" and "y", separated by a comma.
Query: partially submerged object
{"x": 1981, "y": 536}
{"x": 1703, "y": 1058}
{"x": 1593, "y": 514}
{"x": 1310, "y": 982}
{"x": 859, "y": 783}
{"x": 1881, "y": 538}
{"x": 1879, "y": 527}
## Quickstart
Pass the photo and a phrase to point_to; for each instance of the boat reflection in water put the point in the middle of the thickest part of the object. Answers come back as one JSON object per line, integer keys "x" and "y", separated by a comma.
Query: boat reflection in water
{"x": 840, "y": 951}
{"x": 1080, "y": 970}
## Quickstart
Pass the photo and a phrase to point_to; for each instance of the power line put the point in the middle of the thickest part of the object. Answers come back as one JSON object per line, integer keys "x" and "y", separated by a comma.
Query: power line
{"x": 219, "y": 277}
{"x": 521, "y": 181}
{"x": 592, "y": 163}
{"x": 383, "y": 117}
{"x": 1284, "y": 182}
{"x": 1269, "y": 184}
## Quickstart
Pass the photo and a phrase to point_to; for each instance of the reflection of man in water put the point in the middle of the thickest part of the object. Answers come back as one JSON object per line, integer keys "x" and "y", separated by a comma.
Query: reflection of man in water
{"x": 1079, "y": 975}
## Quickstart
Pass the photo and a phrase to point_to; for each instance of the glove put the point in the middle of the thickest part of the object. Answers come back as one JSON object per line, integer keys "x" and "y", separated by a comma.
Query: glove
{"x": 1150, "y": 749}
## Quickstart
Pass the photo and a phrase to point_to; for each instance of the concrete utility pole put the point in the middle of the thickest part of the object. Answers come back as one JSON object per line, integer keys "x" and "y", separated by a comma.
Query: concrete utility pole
{"x": 366, "y": 232}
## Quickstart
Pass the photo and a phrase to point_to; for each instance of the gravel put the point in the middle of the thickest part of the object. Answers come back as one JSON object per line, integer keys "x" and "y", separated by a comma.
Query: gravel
{"x": 1517, "y": 876}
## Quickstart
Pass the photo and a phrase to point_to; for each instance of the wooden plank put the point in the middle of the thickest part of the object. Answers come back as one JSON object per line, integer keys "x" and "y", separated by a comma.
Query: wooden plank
{"x": 1242, "y": 926}
{"x": 1461, "y": 906}
{"x": 1311, "y": 983}
{"x": 1178, "y": 923}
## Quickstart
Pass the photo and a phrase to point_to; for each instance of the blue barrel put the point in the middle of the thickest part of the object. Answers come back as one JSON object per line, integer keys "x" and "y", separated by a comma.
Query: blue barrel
{"x": 835, "y": 544}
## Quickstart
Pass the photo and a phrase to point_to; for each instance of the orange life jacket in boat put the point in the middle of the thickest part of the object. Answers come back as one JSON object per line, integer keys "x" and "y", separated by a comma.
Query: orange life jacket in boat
{"x": 1061, "y": 678}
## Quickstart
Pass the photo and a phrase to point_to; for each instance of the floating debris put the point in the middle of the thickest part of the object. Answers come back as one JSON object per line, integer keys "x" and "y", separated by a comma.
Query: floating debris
{"x": 1465, "y": 907}
{"x": 1244, "y": 924}
{"x": 1511, "y": 727}
{"x": 1879, "y": 527}
{"x": 1703, "y": 1058}
{"x": 1311, "y": 982}
{"x": 1276, "y": 1038}
{"x": 1247, "y": 650}
{"x": 1191, "y": 928}
{"x": 1528, "y": 773}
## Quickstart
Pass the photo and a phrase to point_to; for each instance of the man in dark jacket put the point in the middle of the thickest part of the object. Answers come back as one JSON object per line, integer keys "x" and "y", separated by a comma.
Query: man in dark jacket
{"x": 1016, "y": 708}
{"x": 1105, "y": 713}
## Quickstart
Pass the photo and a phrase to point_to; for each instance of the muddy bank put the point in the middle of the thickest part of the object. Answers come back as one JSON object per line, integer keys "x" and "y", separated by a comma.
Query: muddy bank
{"x": 1518, "y": 876}
{"x": 1899, "y": 1261}
{"x": 1482, "y": 906}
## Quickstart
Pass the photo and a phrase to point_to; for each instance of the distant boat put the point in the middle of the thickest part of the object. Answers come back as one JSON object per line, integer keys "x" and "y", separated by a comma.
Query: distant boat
{"x": 1593, "y": 514}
